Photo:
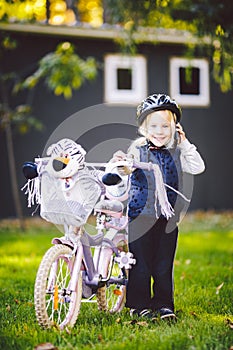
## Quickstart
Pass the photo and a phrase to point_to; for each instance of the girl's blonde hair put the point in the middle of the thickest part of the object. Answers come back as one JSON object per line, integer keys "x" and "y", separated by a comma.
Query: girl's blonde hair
{"x": 143, "y": 130}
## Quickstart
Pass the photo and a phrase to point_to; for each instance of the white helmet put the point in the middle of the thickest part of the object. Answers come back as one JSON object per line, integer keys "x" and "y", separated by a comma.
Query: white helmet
{"x": 157, "y": 102}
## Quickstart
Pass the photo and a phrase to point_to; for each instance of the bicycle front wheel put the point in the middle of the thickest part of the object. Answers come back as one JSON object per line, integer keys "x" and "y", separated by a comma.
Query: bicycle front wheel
{"x": 111, "y": 297}
{"x": 55, "y": 304}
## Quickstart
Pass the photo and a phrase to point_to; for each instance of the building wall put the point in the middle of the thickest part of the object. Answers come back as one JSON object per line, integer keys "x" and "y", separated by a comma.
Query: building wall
{"x": 209, "y": 128}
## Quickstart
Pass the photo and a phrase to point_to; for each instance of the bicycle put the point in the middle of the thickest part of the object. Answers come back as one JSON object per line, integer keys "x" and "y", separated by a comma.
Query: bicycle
{"x": 79, "y": 266}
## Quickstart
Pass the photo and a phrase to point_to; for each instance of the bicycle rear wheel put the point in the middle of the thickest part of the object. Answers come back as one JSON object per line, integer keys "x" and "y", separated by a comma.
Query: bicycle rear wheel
{"x": 111, "y": 297}
{"x": 55, "y": 304}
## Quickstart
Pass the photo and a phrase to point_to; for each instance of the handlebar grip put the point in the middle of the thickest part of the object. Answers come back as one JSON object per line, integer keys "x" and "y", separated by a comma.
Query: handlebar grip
{"x": 111, "y": 179}
{"x": 30, "y": 170}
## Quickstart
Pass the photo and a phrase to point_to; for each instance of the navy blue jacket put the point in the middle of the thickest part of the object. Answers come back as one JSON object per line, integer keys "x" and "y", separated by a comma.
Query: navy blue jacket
{"x": 142, "y": 189}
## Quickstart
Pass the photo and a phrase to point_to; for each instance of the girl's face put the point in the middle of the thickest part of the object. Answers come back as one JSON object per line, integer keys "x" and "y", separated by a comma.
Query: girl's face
{"x": 159, "y": 128}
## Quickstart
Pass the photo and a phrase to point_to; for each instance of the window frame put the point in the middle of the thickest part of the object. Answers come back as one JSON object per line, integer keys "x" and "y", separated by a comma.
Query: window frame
{"x": 190, "y": 100}
{"x": 138, "y": 65}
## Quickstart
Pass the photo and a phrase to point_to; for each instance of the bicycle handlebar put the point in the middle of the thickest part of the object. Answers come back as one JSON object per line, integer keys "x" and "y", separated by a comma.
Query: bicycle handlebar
{"x": 130, "y": 163}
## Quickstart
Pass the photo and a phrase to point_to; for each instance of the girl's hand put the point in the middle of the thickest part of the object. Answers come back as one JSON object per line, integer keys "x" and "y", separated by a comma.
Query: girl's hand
{"x": 181, "y": 132}
{"x": 118, "y": 156}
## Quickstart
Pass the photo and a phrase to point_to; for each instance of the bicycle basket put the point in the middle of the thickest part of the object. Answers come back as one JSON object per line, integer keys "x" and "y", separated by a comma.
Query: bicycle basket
{"x": 71, "y": 205}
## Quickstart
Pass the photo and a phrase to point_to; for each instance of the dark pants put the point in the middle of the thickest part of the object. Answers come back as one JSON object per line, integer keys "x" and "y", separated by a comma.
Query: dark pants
{"x": 154, "y": 251}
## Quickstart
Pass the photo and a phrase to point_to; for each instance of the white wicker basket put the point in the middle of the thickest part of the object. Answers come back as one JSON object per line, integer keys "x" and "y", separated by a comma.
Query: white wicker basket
{"x": 71, "y": 205}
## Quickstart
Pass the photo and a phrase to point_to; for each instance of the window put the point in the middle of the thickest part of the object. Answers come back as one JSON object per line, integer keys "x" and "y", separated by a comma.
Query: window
{"x": 125, "y": 78}
{"x": 189, "y": 81}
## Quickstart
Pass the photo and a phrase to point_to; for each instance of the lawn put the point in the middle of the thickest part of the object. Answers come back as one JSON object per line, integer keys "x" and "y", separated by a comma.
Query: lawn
{"x": 203, "y": 294}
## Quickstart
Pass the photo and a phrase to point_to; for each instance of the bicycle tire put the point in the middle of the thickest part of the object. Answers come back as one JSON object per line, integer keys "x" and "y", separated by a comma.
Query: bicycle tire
{"x": 54, "y": 306}
{"x": 111, "y": 298}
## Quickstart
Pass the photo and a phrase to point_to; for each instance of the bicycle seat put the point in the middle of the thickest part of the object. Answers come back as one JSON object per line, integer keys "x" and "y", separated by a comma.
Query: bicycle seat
{"x": 111, "y": 207}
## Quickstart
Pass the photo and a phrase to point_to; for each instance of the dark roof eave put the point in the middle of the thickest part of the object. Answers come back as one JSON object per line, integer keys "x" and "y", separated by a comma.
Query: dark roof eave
{"x": 144, "y": 35}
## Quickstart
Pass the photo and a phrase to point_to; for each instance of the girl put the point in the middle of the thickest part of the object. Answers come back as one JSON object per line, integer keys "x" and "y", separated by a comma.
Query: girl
{"x": 163, "y": 142}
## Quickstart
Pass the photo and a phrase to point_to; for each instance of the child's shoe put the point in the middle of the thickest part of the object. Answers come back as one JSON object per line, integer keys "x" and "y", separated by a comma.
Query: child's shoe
{"x": 166, "y": 314}
{"x": 145, "y": 313}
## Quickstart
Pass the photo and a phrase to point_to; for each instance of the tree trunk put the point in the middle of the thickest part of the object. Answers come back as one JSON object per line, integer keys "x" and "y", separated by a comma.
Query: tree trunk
{"x": 14, "y": 182}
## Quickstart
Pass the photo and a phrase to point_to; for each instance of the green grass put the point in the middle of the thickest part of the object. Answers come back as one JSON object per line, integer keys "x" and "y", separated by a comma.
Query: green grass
{"x": 203, "y": 294}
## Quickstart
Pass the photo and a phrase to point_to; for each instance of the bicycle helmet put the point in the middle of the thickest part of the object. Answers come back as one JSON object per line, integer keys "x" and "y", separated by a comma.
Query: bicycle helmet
{"x": 157, "y": 102}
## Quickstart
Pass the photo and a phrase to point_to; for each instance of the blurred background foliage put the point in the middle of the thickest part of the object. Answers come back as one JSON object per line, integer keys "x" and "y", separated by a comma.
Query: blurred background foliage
{"x": 210, "y": 19}
{"x": 63, "y": 71}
